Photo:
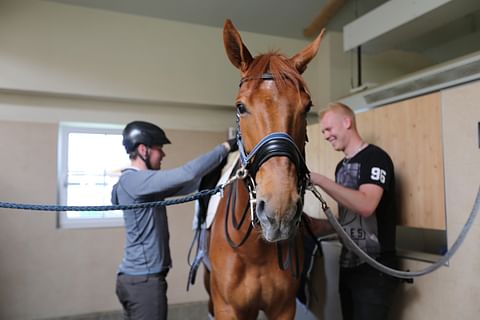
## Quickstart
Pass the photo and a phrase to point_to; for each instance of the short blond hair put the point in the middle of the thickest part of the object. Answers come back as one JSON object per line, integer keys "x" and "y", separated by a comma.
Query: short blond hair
{"x": 339, "y": 108}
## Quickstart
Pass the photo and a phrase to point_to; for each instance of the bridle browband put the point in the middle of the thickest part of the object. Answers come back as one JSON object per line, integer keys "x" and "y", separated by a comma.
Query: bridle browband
{"x": 263, "y": 76}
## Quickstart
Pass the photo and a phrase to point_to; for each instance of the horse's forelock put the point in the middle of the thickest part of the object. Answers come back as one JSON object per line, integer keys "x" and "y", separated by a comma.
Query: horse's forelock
{"x": 279, "y": 67}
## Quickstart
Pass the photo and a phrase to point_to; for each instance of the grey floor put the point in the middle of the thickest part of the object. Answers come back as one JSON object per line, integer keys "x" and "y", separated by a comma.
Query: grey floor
{"x": 183, "y": 311}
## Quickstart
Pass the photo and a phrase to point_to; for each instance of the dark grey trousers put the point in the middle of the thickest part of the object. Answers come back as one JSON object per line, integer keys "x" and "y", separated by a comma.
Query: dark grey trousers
{"x": 365, "y": 293}
{"x": 143, "y": 297}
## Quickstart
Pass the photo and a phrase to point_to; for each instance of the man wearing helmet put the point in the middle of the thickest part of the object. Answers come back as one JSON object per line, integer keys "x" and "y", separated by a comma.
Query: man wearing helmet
{"x": 141, "y": 286}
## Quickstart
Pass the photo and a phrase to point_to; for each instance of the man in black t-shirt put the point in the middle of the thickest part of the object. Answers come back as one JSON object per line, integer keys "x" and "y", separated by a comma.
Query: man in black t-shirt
{"x": 364, "y": 188}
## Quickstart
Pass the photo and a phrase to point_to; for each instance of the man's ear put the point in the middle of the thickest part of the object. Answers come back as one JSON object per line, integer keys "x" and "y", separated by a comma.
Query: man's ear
{"x": 347, "y": 122}
{"x": 142, "y": 149}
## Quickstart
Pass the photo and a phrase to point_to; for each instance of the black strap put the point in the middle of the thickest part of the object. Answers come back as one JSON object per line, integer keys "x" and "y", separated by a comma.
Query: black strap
{"x": 279, "y": 148}
{"x": 230, "y": 209}
{"x": 292, "y": 260}
{"x": 264, "y": 76}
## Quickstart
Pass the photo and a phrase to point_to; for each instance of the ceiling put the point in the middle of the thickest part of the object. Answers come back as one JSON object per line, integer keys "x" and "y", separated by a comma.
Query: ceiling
{"x": 273, "y": 17}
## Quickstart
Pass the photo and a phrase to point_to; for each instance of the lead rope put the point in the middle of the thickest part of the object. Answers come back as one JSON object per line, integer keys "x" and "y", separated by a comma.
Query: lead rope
{"x": 375, "y": 264}
{"x": 168, "y": 202}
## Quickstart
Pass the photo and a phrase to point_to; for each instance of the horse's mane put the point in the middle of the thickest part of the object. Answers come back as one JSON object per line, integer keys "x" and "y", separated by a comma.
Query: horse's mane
{"x": 281, "y": 69}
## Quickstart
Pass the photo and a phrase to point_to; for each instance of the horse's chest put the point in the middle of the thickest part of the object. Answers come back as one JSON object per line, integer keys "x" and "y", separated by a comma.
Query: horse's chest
{"x": 270, "y": 283}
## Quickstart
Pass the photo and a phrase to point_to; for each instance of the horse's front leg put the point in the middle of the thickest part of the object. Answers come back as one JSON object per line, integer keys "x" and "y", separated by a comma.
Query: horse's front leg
{"x": 284, "y": 311}
{"x": 227, "y": 308}
{"x": 280, "y": 301}
{"x": 228, "y": 312}
{"x": 206, "y": 282}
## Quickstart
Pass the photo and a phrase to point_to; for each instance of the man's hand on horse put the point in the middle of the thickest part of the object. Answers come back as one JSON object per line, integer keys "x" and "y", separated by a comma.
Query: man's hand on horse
{"x": 232, "y": 143}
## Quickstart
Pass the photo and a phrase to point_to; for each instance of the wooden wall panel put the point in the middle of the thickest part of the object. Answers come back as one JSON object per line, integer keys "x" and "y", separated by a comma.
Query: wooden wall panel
{"x": 410, "y": 131}
{"x": 320, "y": 157}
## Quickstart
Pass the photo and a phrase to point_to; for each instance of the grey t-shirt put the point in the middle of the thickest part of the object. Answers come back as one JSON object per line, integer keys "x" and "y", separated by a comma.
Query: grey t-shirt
{"x": 147, "y": 247}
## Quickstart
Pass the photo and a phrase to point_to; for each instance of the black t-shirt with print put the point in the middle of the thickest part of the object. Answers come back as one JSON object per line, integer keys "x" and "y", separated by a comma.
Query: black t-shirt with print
{"x": 376, "y": 233}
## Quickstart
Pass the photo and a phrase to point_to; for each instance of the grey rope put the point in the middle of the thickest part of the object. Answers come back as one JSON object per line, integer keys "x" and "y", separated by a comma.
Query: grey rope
{"x": 394, "y": 272}
{"x": 168, "y": 202}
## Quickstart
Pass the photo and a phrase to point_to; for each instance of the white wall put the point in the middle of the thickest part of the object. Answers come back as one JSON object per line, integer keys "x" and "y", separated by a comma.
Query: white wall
{"x": 49, "y": 272}
{"x": 77, "y": 53}
{"x": 63, "y": 49}
{"x": 338, "y": 70}
{"x": 66, "y": 63}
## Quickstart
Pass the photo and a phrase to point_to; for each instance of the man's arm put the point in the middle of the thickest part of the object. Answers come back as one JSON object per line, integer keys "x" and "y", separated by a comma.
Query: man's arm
{"x": 363, "y": 201}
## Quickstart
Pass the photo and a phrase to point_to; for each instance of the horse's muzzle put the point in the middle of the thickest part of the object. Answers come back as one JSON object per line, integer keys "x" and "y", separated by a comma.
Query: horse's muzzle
{"x": 277, "y": 225}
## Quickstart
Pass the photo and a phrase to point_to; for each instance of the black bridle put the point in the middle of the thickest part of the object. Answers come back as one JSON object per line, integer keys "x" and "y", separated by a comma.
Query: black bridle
{"x": 275, "y": 144}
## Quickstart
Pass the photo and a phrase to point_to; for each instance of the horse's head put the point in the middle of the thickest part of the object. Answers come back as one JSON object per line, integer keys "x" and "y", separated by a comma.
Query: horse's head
{"x": 272, "y": 105}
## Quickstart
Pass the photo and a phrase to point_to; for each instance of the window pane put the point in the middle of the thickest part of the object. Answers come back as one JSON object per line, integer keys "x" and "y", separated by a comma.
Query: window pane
{"x": 92, "y": 165}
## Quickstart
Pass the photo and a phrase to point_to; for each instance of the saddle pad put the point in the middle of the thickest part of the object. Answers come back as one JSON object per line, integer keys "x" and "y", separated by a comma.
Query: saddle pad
{"x": 215, "y": 199}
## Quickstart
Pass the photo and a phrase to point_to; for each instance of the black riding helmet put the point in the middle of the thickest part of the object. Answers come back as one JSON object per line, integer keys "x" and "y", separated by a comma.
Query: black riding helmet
{"x": 141, "y": 132}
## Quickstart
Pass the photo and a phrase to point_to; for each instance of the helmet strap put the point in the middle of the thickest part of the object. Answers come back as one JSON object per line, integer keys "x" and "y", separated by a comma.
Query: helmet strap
{"x": 146, "y": 159}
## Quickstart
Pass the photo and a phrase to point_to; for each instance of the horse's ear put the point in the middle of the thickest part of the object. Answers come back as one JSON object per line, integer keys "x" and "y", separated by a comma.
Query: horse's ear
{"x": 237, "y": 52}
{"x": 302, "y": 58}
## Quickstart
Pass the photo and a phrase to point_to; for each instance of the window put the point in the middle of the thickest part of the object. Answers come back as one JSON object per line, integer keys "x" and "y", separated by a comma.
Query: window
{"x": 90, "y": 161}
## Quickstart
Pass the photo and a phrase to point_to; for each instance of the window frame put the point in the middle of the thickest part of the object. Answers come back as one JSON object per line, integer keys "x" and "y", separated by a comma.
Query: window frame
{"x": 63, "y": 221}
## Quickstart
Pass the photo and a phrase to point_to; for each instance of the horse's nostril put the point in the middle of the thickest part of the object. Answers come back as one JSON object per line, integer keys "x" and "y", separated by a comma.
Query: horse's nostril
{"x": 262, "y": 213}
{"x": 260, "y": 206}
{"x": 271, "y": 220}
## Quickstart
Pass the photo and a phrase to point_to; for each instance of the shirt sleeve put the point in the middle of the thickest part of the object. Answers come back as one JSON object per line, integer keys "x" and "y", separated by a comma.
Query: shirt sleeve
{"x": 377, "y": 169}
{"x": 170, "y": 182}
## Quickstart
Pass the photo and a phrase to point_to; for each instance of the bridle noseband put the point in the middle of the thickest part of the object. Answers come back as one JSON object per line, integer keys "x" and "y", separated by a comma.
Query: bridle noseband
{"x": 276, "y": 144}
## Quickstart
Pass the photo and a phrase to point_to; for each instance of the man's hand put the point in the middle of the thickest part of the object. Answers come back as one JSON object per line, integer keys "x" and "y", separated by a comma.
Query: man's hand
{"x": 232, "y": 143}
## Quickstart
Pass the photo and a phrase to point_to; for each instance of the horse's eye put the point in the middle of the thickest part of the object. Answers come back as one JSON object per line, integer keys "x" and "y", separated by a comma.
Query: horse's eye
{"x": 308, "y": 106}
{"x": 241, "y": 109}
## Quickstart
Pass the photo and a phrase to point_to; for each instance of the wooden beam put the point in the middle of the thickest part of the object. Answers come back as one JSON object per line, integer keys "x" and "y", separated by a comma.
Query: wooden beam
{"x": 326, "y": 13}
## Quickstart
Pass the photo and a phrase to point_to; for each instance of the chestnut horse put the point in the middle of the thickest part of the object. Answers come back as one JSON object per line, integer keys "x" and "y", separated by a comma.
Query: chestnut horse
{"x": 255, "y": 264}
